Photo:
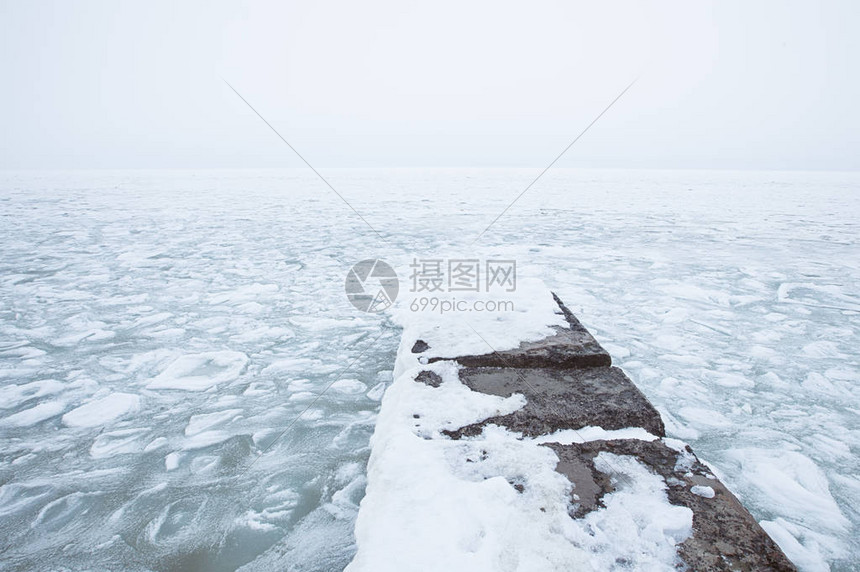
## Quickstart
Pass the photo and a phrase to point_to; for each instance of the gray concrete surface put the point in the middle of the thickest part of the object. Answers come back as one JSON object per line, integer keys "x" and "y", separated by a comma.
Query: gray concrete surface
{"x": 569, "y": 383}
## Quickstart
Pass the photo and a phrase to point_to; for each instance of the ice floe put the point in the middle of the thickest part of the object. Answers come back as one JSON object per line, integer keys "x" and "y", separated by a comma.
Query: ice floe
{"x": 102, "y": 411}
{"x": 199, "y": 372}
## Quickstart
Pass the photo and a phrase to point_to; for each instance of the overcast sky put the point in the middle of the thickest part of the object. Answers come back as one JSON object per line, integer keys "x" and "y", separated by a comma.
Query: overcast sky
{"x": 728, "y": 84}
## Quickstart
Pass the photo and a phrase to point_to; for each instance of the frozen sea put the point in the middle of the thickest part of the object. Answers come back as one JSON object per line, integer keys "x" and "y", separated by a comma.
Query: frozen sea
{"x": 184, "y": 385}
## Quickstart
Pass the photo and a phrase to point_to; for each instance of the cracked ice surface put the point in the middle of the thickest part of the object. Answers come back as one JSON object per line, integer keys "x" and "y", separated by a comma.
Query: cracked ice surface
{"x": 215, "y": 299}
{"x": 153, "y": 331}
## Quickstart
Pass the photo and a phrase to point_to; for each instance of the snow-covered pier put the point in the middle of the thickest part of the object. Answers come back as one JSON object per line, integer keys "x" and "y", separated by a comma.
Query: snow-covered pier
{"x": 511, "y": 443}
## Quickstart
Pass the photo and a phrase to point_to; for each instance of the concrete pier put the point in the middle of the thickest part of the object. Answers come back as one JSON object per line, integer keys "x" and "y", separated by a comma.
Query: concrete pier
{"x": 569, "y": 383}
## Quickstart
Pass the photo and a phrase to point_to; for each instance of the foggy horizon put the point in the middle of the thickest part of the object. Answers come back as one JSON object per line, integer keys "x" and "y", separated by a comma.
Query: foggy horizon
{"x": 720, "y": 86}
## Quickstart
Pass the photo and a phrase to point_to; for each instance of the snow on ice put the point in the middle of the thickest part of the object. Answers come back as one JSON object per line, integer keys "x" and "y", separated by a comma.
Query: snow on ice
{"x": 730, "y": 299}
